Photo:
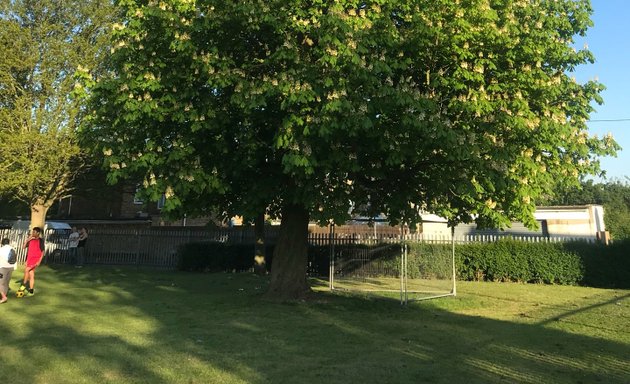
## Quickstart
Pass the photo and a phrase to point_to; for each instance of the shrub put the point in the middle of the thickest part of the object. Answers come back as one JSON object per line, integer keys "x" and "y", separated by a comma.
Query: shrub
{"x": 358, "y": 259}
{"x": 471, "y": 262}
{"x": 206, "y": 256}
{"x": 505, "y": 260}
{"x": 511, "y": 260}
{"x": 318, "y": 260}
{"x": 605, "y": 266}
{"x": 429, "y": 261}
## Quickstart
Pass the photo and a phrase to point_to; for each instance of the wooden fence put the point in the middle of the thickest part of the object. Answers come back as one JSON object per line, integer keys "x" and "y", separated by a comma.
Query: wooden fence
{"x": 157, "y": 246}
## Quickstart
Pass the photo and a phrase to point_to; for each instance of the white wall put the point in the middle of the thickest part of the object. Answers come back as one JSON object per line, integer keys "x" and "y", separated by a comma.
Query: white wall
{"x": 572, "y": 221}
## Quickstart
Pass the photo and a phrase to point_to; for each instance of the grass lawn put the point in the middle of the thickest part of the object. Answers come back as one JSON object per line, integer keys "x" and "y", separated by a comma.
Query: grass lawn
{"x": 121, "y": 325}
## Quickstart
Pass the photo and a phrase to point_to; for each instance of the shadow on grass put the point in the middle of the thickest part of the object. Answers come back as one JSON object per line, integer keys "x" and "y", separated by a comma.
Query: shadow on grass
{"x": 588, "y": 308}
{"x": 124, "y": 325}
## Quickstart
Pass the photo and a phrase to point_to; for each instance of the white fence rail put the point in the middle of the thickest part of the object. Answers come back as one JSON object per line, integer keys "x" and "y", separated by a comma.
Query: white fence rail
{"x": 492, "y": 238}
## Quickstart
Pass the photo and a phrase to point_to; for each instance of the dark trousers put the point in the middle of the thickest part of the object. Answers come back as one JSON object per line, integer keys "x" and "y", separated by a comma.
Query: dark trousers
{"x": 73, "y": 255}
{"x": 80, "y": 255}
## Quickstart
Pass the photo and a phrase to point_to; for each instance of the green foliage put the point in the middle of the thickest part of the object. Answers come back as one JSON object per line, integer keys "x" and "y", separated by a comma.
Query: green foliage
{"x": 466, "y": 109}
{"x": 216, "y": 257}
{"x": 43, "y": 44}
{"x": 515, "y": 261}
{"x": 13, "y": 208}
{"x": 223, "y": 257}
{"x": 471, "y": 263}
{"x": 319, "y": 260}
{"x": 604, "y": 266}
{"x": 375, "y": 260}
{"x": 508, "y": 260}
{"x": 429, "y": 261}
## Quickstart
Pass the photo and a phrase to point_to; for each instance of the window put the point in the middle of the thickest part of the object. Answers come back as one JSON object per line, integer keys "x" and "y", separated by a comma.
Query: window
{"x": 136, "y": 199}
{"x": 161, "y": 202}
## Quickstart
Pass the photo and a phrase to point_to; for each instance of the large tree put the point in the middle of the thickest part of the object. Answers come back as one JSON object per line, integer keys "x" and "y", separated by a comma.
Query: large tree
{"x": 43, "y": 44}
{"x": 314, "y": 109}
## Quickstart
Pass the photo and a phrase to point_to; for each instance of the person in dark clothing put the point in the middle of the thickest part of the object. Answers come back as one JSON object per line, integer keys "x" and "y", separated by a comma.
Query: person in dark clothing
{"x": 83, "y": 236}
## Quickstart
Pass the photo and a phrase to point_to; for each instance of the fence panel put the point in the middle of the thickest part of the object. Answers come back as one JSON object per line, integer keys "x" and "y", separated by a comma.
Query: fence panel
{"x": 157, "y": 247}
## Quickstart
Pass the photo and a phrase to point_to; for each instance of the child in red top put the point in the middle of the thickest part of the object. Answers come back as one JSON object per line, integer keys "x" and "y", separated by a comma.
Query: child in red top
{"x": 34, "y": 246}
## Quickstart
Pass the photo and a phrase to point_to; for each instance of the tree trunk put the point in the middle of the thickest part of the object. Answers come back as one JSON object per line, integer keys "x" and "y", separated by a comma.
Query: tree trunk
{"x": 38, "y": 215}
{"x": 288, "y": 268}
{"x": 260, "y": 266}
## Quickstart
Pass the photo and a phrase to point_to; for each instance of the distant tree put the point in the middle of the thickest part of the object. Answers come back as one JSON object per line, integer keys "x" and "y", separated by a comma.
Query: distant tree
{"x": 617, "y": 209}
{"x": 43, "y": 44}
{"x": 10, "y": 209}
{"x": 310, "y": 109}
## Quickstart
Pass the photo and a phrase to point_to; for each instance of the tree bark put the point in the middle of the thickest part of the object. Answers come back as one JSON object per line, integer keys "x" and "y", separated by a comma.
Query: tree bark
{"x": 260, "y": 264}
{"x": 288, "y": 268}
{"x": 38, "y": 215}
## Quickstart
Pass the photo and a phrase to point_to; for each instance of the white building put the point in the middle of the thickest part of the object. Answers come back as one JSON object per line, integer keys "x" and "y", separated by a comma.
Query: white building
{"x": 577, "y": 220}
{"x": 583, "y": 221}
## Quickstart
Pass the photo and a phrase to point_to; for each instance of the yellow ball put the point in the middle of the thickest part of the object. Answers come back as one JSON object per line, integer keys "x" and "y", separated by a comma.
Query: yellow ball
{"x": 20, "y": 294}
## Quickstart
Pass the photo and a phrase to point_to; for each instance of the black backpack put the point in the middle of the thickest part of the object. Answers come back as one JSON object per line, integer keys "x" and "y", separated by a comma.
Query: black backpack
{"x": 12, "y": 257}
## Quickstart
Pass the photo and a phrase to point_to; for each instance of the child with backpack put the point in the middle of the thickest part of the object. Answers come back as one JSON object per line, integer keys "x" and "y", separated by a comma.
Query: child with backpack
{"x": 8, "y": 264}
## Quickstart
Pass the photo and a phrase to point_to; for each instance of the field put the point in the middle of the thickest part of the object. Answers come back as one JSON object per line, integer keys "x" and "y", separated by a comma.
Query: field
{"x": 122, "y": 325}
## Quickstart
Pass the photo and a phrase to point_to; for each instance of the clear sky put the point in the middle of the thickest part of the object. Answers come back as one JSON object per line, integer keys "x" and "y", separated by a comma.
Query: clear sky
{"x": 609, "y": 40}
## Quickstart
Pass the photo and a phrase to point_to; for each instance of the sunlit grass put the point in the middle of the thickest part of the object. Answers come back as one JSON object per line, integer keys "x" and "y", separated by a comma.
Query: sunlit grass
{"x": 115, "y": 325}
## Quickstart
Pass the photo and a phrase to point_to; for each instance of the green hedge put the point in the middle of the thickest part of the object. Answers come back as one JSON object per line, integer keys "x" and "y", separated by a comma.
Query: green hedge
{"x": 569, "y": 263}
{"x": 605, "y": 266}
{"x": 510, "y": 260}
{"x": 429, "y": 261}
{"x": 206, "y": 256}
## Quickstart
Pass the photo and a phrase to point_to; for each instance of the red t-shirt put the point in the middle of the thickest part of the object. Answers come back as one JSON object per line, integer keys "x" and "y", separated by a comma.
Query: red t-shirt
{"x": 34, "y": 252}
